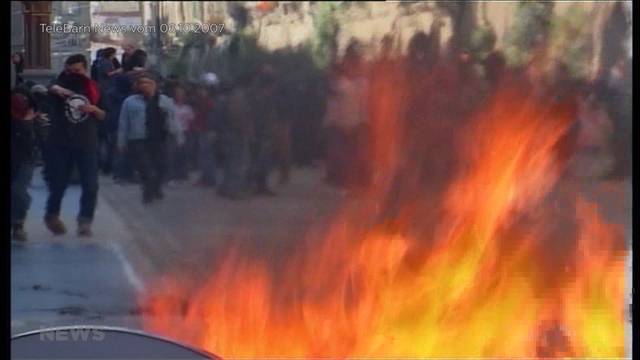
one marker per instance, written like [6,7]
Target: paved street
[191,223]
[66,280]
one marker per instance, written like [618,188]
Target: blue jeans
[207,160]
[59,167]
[20,198]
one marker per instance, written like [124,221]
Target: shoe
[84,229]
[55,225]
[18,233]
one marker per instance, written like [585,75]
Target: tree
[530,29]
[326,28]
[570,40]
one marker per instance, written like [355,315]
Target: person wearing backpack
[146,121]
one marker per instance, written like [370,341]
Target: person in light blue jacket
[147,119]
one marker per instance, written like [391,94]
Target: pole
[158,38]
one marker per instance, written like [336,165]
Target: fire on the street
[483,266]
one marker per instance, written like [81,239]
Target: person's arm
[98,113]
[106,68]
[109,69]
[41,127]
[123,125]
[114,72]
[191,117]
[60,91]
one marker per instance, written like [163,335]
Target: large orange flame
[489,278]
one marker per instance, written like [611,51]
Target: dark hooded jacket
[25,134]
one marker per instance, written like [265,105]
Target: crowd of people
[119,118]
[434,89]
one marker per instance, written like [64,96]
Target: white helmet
[210,79]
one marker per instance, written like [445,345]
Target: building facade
[28,39]
[63,44]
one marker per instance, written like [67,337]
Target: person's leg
[122,165]
[361,159]
[158,155]
[252,172]
[260,168]
[129,168]
[187,146]
[20,200]
[46,163]
[352,169]
[87,163]
[111,146]
[182,158]
[343,155]
[207,160]
[227,166]
[58,172]
[238,165]
[332,159]
[138,152]
[193,150]
[101,149]
[283,153]
[116,161]
[172,159]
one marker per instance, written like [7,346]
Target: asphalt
[67,280]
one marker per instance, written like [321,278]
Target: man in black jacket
[73,140]
[28,129]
